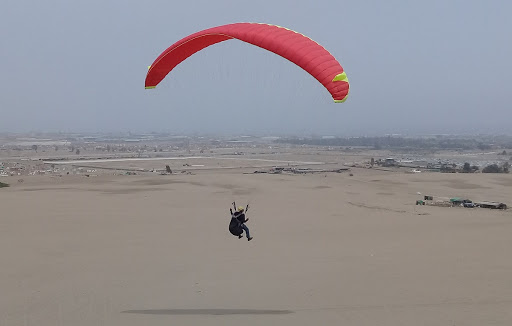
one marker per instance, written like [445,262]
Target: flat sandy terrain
[328,249]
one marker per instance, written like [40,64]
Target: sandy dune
[329,249]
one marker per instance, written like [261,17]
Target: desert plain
[348,248]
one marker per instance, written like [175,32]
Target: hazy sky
[439,66]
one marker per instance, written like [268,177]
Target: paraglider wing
[295,47]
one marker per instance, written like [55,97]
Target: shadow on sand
[218,312]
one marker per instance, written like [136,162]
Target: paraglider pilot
[237,223]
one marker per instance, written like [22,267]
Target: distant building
[389,162]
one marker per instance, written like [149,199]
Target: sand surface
[328,249]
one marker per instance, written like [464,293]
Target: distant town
[37,153]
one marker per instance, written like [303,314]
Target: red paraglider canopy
[293,46]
